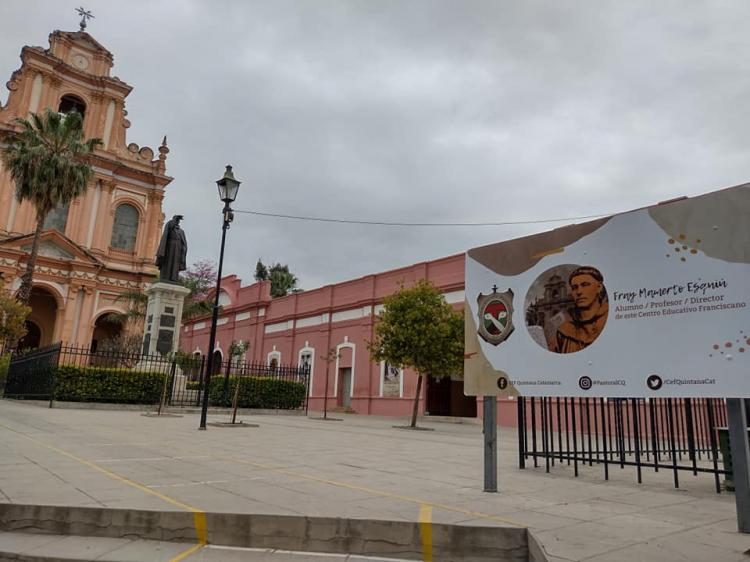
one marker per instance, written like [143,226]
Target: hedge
[259,392]
[101,384]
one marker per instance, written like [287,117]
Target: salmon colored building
[300,328]
[102,244]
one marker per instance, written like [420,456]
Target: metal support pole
[214,320]
[740,447]
[490,443]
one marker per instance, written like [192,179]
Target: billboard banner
[650,303]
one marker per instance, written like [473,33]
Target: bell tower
[103,243]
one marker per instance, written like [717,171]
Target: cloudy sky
[417,111]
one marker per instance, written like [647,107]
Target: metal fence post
[521,433]
[307,388]
[490,443]
[740,447]
[54,364]
[201,385]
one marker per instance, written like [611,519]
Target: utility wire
[387,223]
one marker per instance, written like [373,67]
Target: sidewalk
[360,468]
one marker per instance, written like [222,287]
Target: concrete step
[119,529]
[34,547]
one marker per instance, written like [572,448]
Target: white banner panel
[650,303]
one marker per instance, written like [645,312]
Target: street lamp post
[228,187]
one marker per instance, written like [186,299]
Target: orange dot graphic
[681,237]
[698,241]
[671,240]
[693,251]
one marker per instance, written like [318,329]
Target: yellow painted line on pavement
[188,552]
[199,516]
[425,525]
[375,492]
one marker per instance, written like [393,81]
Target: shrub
[258,392]
[100,384]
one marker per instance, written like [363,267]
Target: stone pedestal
[163,318]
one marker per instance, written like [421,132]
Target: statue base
[161,334]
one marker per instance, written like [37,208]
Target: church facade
[101,246]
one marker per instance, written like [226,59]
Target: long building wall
[340,317]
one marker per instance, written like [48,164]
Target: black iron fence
[678,435]
[31,375]
[74,374]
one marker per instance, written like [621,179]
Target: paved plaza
[358,468]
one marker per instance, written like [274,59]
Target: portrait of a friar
[171,256]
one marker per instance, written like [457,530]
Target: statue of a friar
[172,254]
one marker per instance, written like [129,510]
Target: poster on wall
[391,381]
[650,303]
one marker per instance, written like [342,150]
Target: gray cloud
[418,111]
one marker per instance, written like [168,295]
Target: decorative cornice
[80,276]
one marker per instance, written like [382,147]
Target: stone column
[85,325]
[161,333]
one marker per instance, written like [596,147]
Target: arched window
[274,358]
[70,103]
[224,299]
[216,364]
[57,218]
[125,227]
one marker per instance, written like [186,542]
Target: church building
[102,245]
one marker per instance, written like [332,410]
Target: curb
[370,537]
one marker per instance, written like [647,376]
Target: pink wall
[339,315]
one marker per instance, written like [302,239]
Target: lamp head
[228,186]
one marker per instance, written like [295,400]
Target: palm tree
[136,303]
[47,161]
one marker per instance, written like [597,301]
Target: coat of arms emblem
[495,316]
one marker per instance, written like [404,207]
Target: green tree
[12,320]
[418,330]
[282,280]
[47,161]
[261,271]
[237,349]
